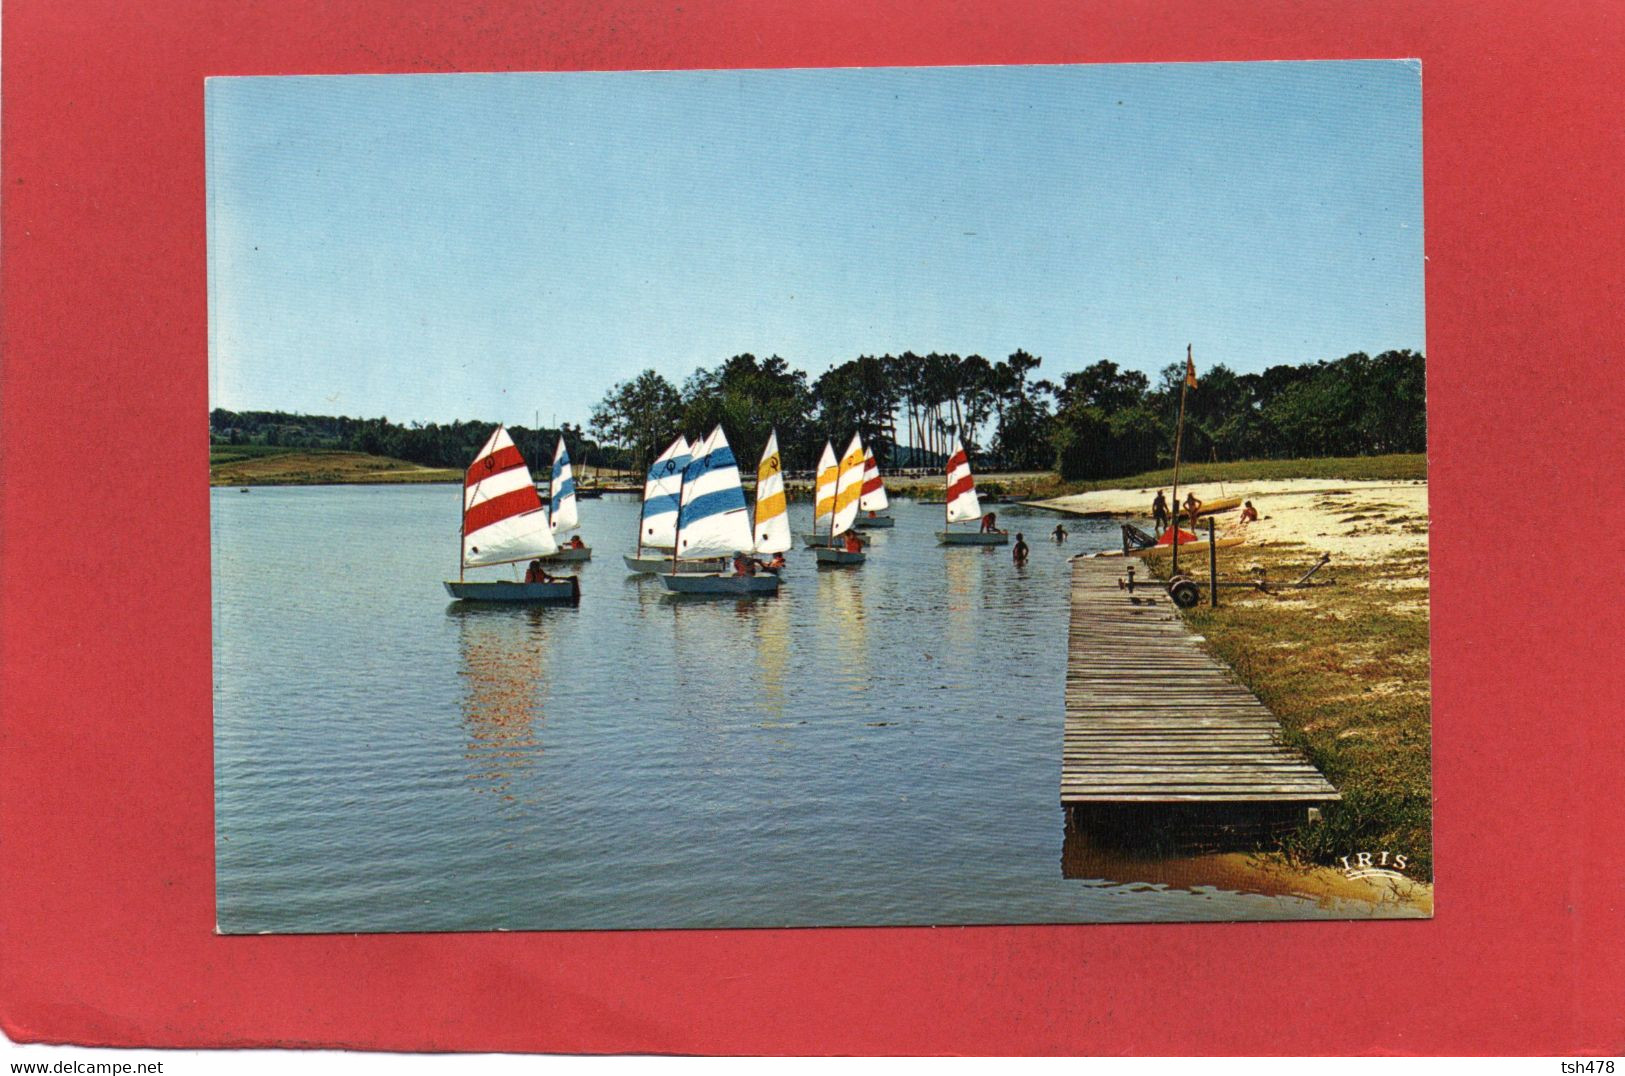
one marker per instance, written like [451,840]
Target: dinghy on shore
[962,505]
[504,523]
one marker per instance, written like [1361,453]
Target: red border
[106,798]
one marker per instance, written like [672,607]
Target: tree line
[450,444]
[1099,422]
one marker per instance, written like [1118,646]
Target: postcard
[824,497]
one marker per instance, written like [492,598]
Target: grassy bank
[263,465]
[1346,669]
[1412,466]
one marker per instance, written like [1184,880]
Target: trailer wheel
[1185,593]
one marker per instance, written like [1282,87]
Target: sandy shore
[1350,520]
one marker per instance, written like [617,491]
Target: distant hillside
[261,465]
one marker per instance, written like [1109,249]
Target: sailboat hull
[658,565]
[720,584]
[870,523]
[566,555]
[822,541]
[563,591]
[838,556]
[972,538]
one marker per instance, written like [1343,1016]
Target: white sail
[661,489]
[824,490]
[561,509]
[848,486]
[503,518]
[713,520]
[874,490]
[772,513]
[962,502]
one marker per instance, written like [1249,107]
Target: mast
[1179,433]
[833,493]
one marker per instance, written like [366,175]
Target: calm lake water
[879,745]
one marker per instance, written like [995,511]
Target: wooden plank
[1152,717]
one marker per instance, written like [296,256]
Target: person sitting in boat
[1192,507]
[744,565]
[1059,533]
[990,523]
[535,573]
[1018,552]
[576,542]
[1248,512]
[776,565]
[1159,512]
[854,544]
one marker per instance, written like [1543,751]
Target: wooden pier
[1153,720]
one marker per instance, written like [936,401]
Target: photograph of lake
[862,497]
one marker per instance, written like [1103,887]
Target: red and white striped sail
[503,518]
[962,502]
[874,490]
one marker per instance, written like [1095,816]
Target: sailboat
[712,521]
[561,507]
[504,523]
[844,510]
[962,504]
[657,520]
[772,529]
[873,502]
[826,478]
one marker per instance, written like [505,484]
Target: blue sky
[431,247]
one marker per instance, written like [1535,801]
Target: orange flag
[1190,369]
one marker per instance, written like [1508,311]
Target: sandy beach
[1353,521]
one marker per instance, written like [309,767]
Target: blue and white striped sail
[661,489]
[561,505]
[713,520]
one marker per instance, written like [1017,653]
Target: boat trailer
[1186,590]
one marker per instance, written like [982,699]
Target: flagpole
[1179,433]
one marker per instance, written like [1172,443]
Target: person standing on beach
[1159,512]
[1193,507]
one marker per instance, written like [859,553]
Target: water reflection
[770,623]
[504,675]
[840,619]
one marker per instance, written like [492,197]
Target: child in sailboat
[854,544]
[535,573]
[990,523]
[776,565]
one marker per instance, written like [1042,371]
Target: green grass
[1348,468]
[236,453]
[1346,669]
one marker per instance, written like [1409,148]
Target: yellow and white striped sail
[849,486]
[824,490]
[772,515]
